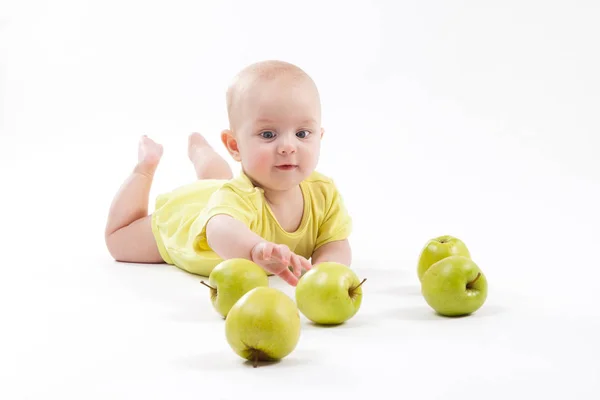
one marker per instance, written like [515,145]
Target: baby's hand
[276,258]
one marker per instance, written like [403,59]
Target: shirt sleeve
[224,201]
[337,223]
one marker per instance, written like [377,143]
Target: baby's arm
[337,251]
[231,238]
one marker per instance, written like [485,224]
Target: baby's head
[275,129]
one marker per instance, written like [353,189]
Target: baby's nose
[287,148]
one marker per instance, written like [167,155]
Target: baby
[279,212]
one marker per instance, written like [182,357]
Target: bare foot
[207,163]
[196,144]
[149,154]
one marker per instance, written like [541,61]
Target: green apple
[329,294]
[263,325]
[454,286]
[439,248]
[231,279]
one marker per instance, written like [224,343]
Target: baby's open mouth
[286,167]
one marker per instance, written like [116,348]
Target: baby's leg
[128,232]
[207,163]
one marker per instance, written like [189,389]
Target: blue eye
[267,135]
[302,134]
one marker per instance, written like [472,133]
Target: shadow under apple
[221,361]
[348,324]
[260,364]
[289,361]
[424,313]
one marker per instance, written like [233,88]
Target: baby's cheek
[310,157]
[259,161]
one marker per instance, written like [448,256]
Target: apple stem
[255,359]
[207,285]
[470,284]
[360,284]
[352,291]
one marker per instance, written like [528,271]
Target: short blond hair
[259,72]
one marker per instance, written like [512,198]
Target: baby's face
[279,133]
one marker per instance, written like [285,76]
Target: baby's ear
[322,132]
[228,139]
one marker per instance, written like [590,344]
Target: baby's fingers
[305,263]
[287,276]
[296,264]
[283,253]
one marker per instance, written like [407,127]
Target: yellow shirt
[179,221]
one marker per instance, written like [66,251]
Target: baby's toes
[149,151]
[197,140]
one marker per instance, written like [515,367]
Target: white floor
[478,122]
[90,328]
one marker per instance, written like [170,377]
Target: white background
[472,118]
